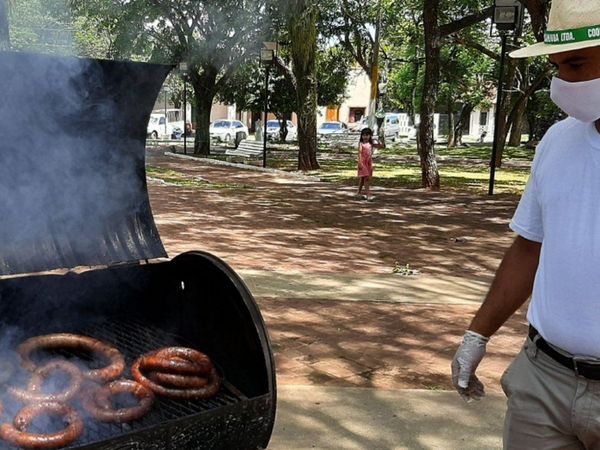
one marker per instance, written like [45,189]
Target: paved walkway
[322,415]
[362,355]
[424,289]
[313,417]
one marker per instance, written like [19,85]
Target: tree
[42,26]
[360,27]
[246,90]
[434,35]
[4,30]
[214,38]
[300,22]
[246,86]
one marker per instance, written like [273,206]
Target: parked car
[328,128]
[358,126]
[273,128]
[226,130]
[392,126]
[166,126]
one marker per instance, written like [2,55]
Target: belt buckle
[583,359]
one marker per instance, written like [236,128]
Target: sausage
[211,389]
[169,373]
[99,404]
[178,360]
[34,390]
[178,381]
[75,341]
[17,435]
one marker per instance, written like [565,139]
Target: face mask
[580,100]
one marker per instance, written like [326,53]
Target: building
[356,104]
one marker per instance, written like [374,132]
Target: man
[553,385]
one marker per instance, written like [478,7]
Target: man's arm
[511,287]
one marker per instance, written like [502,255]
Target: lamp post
[267,55]
[508,17]
[183,69]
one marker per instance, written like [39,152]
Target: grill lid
[72,177]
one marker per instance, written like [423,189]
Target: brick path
[271,222]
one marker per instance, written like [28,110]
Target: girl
[365,161]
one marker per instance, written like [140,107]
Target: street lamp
[508,20]
[267,56]
[183,69]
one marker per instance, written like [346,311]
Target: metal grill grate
[134,338]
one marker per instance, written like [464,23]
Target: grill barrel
[195,300]
[73,194]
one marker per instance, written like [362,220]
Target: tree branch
[476,46]
[465,22]
[285,71]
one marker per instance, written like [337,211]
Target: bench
[246,149]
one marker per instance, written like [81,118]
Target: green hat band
[574,35]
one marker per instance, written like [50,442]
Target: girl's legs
[360,185]
[367,186]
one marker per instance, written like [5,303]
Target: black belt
[581,366]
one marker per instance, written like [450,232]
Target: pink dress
[366,158]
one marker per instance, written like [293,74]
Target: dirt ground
[271,222]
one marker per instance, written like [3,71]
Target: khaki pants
[549,407]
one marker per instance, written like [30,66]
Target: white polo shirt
[561,209]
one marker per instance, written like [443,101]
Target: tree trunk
[509,82]
[414,92]
[463,120]
[303,36]
[4,30]
[451,139]
[430,176]
[517,122]
[204,95]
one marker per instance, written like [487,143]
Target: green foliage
[246,88]
[200,31]
[542,114]
[41,26]
[333,67]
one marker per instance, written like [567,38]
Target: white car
[359,126]
[273,130]
[227,130]
[167,126]
[328,128]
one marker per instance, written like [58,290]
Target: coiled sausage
[100,406]
[17,435]
[34,390]
[78,342]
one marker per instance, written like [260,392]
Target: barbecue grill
[73,197]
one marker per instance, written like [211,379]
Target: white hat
[573,25]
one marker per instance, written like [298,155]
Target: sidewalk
[425,289]
[313,417]
[317,408]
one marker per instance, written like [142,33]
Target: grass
[189,181]
[408,175]
[463,169]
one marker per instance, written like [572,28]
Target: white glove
[465,362]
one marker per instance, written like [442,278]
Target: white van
[392,127]
[165,126]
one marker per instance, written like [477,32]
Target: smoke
[72,186]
